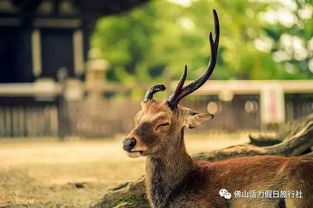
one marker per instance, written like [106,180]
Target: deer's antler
[154,89]
[182,91]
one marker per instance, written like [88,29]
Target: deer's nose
[128,144]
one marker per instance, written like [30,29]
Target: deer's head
[159,125]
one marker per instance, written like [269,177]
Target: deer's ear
[196,119]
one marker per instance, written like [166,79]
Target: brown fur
[174,180]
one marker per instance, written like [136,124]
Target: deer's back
[259,173]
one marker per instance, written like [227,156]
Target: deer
[174,180]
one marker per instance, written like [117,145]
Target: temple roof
[67,7]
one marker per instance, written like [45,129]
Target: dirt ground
[51,173]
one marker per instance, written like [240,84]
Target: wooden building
[42,41]
[39,38]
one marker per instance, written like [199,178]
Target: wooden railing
[30,111]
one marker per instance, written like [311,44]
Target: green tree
[291,33]
[159,38]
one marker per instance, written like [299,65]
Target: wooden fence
[113,116]
[107,117]
[104,118]
[28,120]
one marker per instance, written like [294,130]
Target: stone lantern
[95,76]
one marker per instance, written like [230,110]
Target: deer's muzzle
[129,144]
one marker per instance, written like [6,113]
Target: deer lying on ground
[174,180]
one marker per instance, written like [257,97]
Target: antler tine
[180,91]
[178,88]
[152,90]
[182,80]
[216,27]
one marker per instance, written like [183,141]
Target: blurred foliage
[260,39]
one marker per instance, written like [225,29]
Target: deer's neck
[166,174]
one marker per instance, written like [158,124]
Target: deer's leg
[299,203]
[255,203]
[300,184]
[303,197]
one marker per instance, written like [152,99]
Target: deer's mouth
[135,154]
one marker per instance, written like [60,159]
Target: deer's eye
[162,125]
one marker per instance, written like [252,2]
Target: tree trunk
[293,138]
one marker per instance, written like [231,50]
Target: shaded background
[71,66]
[75,64]
[72,74]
